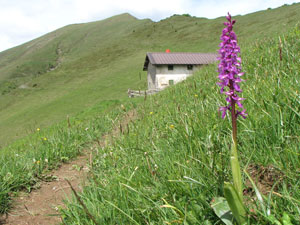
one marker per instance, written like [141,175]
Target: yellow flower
[38,162]
[38,129]
[172,126]
[151,113]
[45,139]
[123,108]
[196,95]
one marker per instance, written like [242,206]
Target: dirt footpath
[41,205]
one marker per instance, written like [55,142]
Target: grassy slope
[101,60]
[174,159]
[270,132]
[87,74]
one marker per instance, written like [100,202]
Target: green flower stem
[235,165]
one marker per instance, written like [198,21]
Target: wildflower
[151,113]
[196,95]
[38,129]
[172,126]
[38,162]
[46,160]
[45,139]
[230,76]
[33,160]
[230,70]
[86,128]
[123,108]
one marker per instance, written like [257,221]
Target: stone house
[166,68]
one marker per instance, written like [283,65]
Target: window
[190,67]
[171,82]
[170,67]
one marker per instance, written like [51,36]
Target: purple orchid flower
[230,78]
[230,70]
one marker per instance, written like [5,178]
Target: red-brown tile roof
[185,58]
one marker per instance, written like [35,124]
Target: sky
[22,21]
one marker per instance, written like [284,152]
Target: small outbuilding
[166,68]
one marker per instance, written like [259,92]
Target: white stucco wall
[178,74]
[162,80]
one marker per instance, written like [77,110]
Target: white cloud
[21,21]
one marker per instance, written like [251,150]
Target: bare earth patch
[40,206]
[264,178]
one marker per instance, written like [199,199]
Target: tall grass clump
[173,159]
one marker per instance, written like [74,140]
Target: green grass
[101,60]
[25,163]
[174,158]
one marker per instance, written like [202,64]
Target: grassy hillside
[173,160]
[24,163]
[68,70]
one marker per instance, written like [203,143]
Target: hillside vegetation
[170,163]
[174,159]
[72,68]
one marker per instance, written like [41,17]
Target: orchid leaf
[222,210]
[236,171]
[235,203]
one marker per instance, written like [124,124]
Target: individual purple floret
[230,70]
